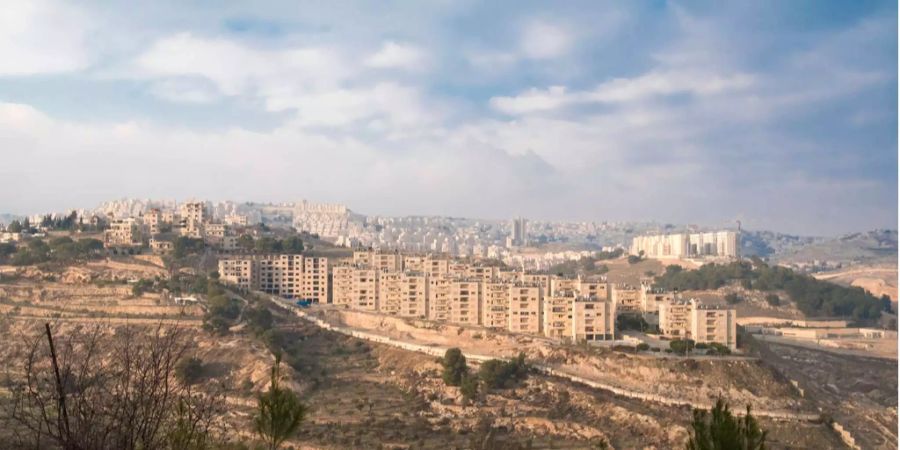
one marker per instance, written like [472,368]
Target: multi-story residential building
[692,319]
[525,308]
[495,305]
[557,317]
[236,220]
[414,295]
[280,275]
[593,319]
[161,247]
[713,323]
[538,279]
[214,233]
[674,319]
[627,298]
[194,212]
[239,272]
[342,285]
[440,292]
[152,220]
[651,298]
[123,233]
[293,276]
[429,265]
[390,293]
[365,289]
[484,273]
[465,301]
[591,289]
[384,262]
[683,245]
[314,285]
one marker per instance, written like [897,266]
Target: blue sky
[780,114]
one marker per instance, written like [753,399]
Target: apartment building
[440,290]
[651,299]
[123,233]
[290,276]
[427,264]
[194,212]
[593,319]
[674,319]
[713,323]
[390,292]
[627,298]
[214,233]
[414,295]
[365,289]
[152,220]
[342,285]
[482,273]
[495,305]
[465,302]
[381,261]
[540,280]
[525,308]
[238,272]
[314,285]
[688,245]
[597,289]
[557,317]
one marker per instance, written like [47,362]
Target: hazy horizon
[781,115]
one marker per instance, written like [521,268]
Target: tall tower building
[519,233]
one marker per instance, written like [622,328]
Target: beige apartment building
[440,291]
[238,272]
[674,319]
[482,273]
[495,305]
[381,261]
[652,299]
[557,315]
[152,220]
[713,323]
[314,285]
[429,265]
[540,280]
[390,293]
[194,212]
[342,285]
[291,276]
[123,233]
[593,319]
[627,298]
[698,321]
[525,308]
[414,295]
[465,301]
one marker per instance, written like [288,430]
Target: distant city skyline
[781,115]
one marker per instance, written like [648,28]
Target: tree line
[813,297]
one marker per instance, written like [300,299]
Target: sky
[782,115]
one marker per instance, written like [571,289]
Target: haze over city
[780,114]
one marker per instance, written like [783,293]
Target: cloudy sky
[780,114]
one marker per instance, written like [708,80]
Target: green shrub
[499,374]
[455,367]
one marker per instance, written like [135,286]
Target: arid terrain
[364,394]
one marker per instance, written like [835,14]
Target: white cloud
[186,90]
[239,69]
[399,56]
[544,40]
[532,100]
[42,36]
[670,82]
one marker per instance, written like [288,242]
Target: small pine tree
[279,412]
